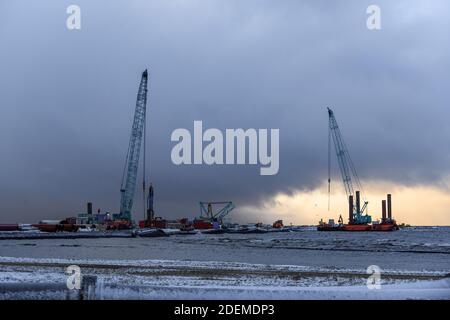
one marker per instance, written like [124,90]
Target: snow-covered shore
[31,278]
[413,264]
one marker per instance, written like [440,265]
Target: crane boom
[342,154]
[129,177]
[206,209]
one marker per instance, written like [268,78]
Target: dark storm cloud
[67,97]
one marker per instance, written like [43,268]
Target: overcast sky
[67,97]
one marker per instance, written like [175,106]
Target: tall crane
[130,170]
[348,171]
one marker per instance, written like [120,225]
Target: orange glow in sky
[417,205]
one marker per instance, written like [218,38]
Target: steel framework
[129,176]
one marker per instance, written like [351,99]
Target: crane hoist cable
[329,167]
[144,163]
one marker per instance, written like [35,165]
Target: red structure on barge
[387,222]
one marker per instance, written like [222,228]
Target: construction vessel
[209,219]
[387,223]
[358,218]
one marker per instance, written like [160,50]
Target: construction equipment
[208,218]
[150,211]
[278,224]
[9,227]
[129,175]
[151,221]
[220,214]
[387,223]
[348,173]
[357,220]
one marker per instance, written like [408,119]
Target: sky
[67,99]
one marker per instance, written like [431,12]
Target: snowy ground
[25,278]
[304,265]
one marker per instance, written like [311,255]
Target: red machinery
[387,222]
[278,224]
[9,227]
[156,222]
[202,224]
[209,219]
[119,225]
[68,227]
